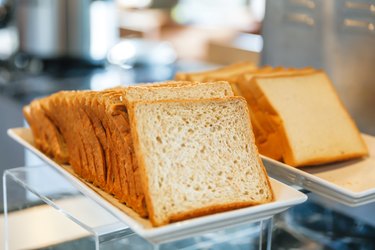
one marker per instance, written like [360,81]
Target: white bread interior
[310,121]
[197,157]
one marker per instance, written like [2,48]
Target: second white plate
[349,182]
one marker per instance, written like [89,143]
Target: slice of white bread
[161,91]
[197,157]
[312,125]
[264,122]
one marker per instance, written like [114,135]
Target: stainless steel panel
[335,35]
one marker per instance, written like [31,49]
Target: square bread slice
[197,157]
[313,125]
[264,120]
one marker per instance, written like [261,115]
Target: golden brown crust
[46,134]
[96,113]
[119,172]
[235,88]
[74,122]
[325,160]
[210,210]
[55,111]
[91,141]
[95,136]
[131,105]
[141,162]
[258,157]
[170,83]
[84,128]
[118,120]
[128,100]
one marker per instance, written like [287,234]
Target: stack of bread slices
[169,151]
[296,114]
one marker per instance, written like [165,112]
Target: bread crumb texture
[199,154]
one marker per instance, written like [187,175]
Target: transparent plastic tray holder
[100,229]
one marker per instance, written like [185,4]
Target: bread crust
[211,210]
[125,169]
[141,162]
[96,137]
[258,156]
[53,109]
[47,136]
[86,134]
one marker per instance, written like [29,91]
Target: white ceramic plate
[285,197]
[349,182]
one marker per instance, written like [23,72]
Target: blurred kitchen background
[52,45]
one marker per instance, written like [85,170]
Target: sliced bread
[47,136]
[95,127]
[197,157]
[313,127]
[266,124]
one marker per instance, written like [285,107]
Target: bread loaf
[95,129]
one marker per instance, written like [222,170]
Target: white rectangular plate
[285,197]
[349,182]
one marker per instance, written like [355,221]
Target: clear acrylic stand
[44,218]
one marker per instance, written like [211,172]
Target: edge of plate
[333,187]
[156,232]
